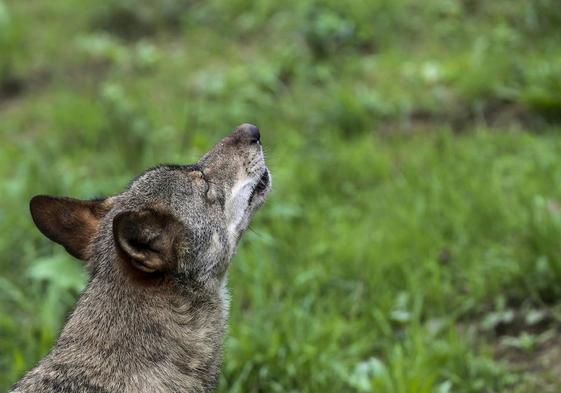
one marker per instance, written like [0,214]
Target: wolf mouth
[260,187]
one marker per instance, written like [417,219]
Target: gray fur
[156,331]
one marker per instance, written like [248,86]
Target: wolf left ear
[69,222]
[148,238]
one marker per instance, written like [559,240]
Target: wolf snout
[249,133]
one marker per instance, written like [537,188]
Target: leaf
[59,270]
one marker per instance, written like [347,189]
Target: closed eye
[210,196]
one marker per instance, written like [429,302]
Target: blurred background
[412,240]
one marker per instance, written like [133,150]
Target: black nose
[251,131]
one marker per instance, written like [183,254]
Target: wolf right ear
[70,222]
[148,238]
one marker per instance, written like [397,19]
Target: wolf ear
[69,222]
[148,238]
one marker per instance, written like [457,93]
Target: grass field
[412,242]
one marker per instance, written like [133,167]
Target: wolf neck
[125,337]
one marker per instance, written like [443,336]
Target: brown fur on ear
[148,238]
[69,222]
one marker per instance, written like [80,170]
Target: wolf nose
[251,131]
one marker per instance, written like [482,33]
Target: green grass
[415,156]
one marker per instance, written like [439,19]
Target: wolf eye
[197,174]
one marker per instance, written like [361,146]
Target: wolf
[153,314]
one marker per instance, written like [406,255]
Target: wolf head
[176,219]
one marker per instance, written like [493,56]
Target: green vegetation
[412,242]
